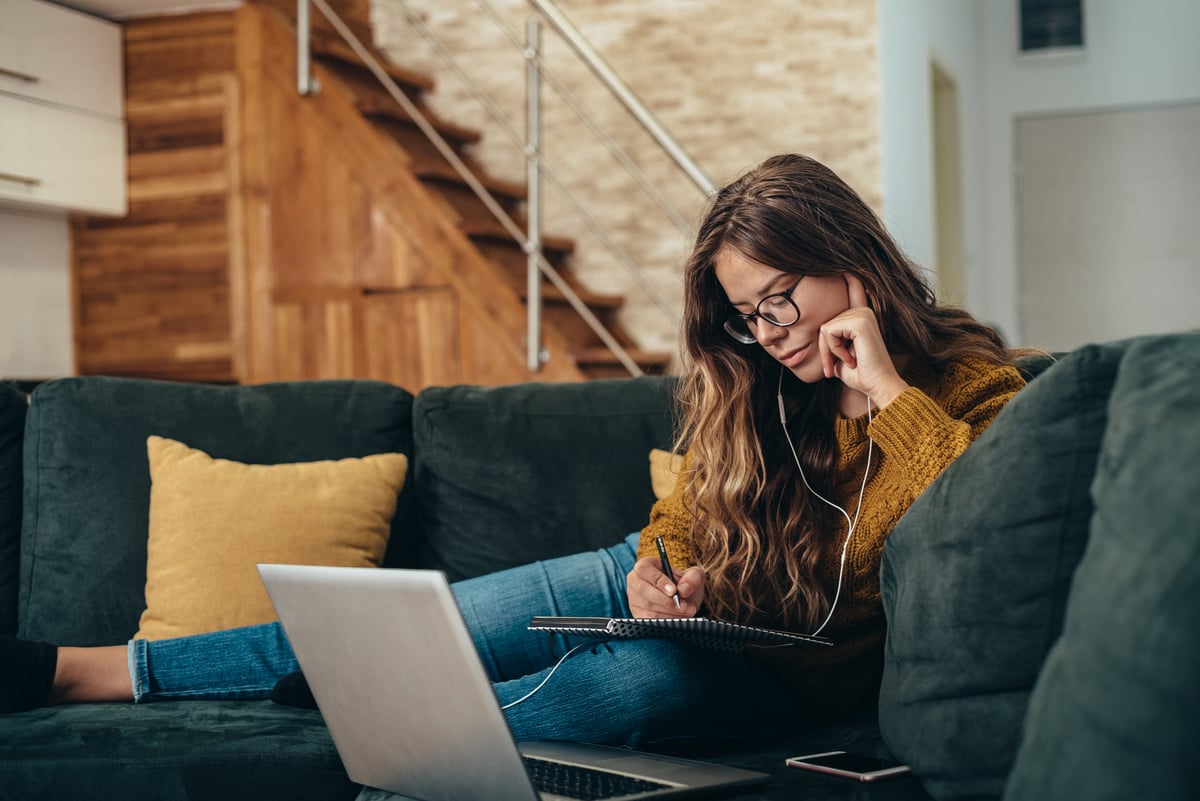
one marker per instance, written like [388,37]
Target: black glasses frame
[738,326]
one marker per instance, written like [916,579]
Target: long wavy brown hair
[759,534]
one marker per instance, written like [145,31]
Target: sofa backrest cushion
[12,431]
[1114,712]
[87,489]
[975,578]
[508,475]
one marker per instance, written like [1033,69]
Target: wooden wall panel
[398,345]
[152,295]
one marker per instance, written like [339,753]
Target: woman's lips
[794,357]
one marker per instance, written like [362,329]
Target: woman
[824,390]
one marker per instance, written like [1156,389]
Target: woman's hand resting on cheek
[852,350]
[650,590]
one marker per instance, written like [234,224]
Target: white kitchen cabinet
[62,133]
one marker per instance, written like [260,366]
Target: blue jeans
[628,692]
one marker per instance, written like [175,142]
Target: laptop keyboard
[584,783]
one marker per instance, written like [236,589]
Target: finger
[691,587]
[689,581]
[656,583]
[856,291]
[840,344]
[827,357]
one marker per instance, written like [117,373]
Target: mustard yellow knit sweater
[916,436]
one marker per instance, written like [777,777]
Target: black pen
[666,566]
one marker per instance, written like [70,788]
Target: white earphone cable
[858,510]
[542,684]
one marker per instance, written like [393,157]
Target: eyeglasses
[778,309]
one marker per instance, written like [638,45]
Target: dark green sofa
[1032,639]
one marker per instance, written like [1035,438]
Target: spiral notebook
[703,632]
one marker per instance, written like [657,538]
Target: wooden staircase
[472,217]
[273,236]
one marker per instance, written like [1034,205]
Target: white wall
[35,296]
[1136,54]
[913,35]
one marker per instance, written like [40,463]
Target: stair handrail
[533,56]
[529,240]
[623,93]
[537,168]
[568,97]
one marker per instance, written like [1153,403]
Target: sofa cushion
[212,521]
[975,578]
[12,431]
[181,751]
[507,475]
[1114,712]
[87,493]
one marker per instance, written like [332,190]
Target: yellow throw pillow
[213,520]
[664,472]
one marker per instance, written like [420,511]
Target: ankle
[91,674]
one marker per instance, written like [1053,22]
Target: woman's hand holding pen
[651,592]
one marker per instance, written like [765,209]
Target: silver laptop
[394,671]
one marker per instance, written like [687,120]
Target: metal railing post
[534,355]
[304,80]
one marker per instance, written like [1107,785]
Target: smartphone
[852,766]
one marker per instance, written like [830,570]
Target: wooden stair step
[333,48]
[593,300]
[412,141]
[601,358]
[443,172]
[384,107]
[493,231]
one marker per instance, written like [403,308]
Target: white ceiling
[123,9]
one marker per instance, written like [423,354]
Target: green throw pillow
[511,474]
[1116,712]
[975,578]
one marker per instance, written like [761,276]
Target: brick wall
[732,82]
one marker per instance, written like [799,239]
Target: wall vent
[1051,25]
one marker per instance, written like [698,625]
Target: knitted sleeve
[671,520]
[925,434]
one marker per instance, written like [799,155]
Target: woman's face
[819,299]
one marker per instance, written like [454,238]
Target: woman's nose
[767,332]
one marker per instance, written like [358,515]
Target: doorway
[947,189]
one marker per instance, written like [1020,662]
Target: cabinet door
[60,56]
[55,158]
